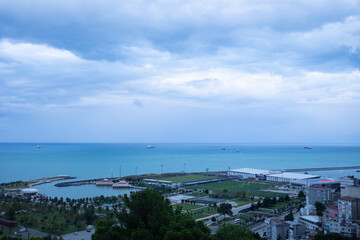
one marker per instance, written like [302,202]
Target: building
[29,191]
[296,230]
[351,191]
[311,222]
[348,209]
[320,182]
[347,229]
[105,182]
[332,213]
[249,173]
[349,181]
[319,194]
[122,184]
[289,176]
[277,228]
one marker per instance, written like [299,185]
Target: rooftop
[311,218]
[292,175]
[251,171]
[347,198]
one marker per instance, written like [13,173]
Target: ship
[307,147]
[38,146]
[223,149]
[150,146]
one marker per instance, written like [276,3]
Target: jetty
[319,169]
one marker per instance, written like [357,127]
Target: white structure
[311,222]
[289,176]
[29,191]
[248,172]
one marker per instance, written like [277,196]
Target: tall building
[348,209]
[319,194]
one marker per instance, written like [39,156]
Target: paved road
[79,236]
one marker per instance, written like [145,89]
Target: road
[79,236]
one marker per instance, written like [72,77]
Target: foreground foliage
[149,216]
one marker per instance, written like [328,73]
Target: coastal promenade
[318,169]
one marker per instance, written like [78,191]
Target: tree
[301,195]
[289,217]
[149,216]
[287,198]
[225,208]
[232,232]
[319,208]
[10,213]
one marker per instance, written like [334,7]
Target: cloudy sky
[180,71]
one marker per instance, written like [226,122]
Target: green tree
[149,216]
[289,217]
[225,208]
[301,195]
[10,213]
[232,232]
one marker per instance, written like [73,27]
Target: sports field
[235,186]
[186,178]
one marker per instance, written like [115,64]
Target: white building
[248,172]
[289,176]
[311,222]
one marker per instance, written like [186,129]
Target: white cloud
[35,53]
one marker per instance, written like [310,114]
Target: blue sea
[23,161]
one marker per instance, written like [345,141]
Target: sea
[24,161]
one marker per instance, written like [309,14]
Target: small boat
[307,147]
[150,146]
[237,150]
[223,149]
[38,146]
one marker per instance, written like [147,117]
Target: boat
[38,146]
[307,147]
[223,149]
[150,146]
[237,150]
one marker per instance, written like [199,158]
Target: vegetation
[225,208]
[149,216]
[186,178]
[230,189]
[319,208]
[232,232]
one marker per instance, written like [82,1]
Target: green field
[186,178]
[204,212]
[52,223]
[235,186]
[185,206]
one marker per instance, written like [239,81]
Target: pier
[319,169]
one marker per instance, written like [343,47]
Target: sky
[180,71]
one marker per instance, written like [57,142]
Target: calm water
[22,161]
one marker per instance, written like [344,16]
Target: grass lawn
[236,186]
[240,202]
[52,223]
[186,178]
[185,206]
[204,212]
